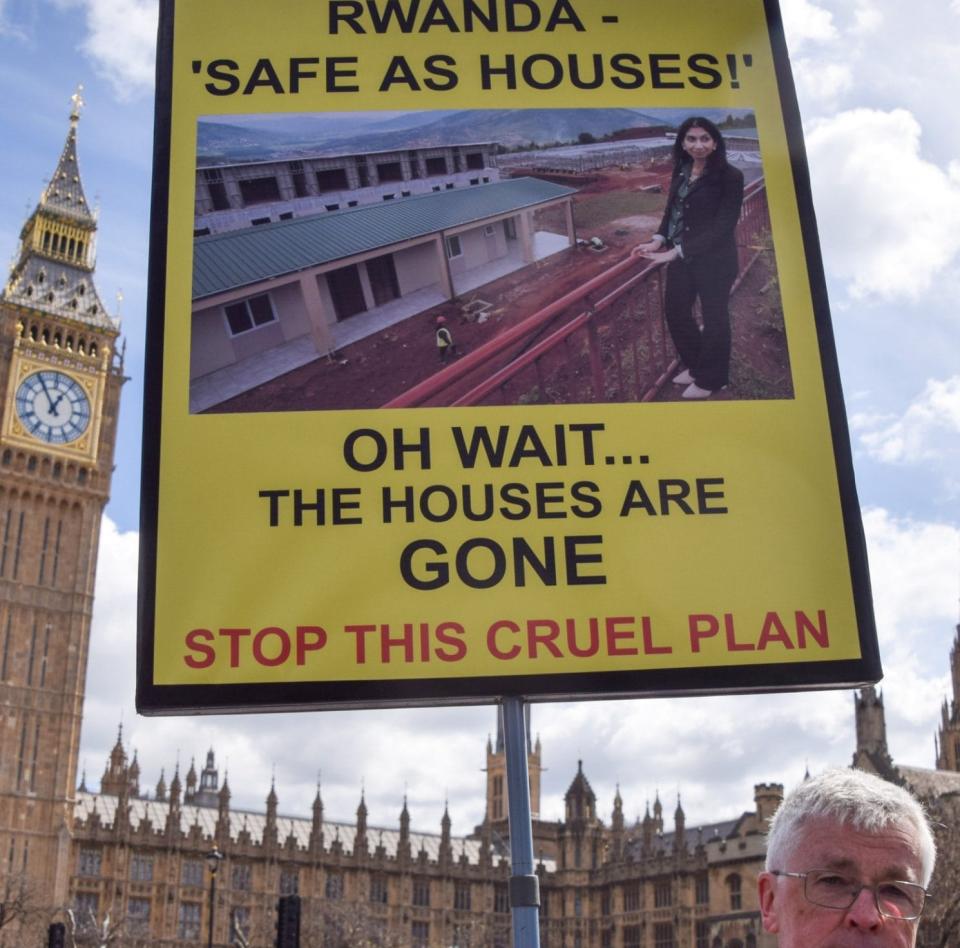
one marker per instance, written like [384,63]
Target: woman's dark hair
[716,161]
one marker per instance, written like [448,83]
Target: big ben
[60,380]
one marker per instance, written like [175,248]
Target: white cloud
[895,54]
[14,19]
[867,17]
[121,41]
[887,216]
[822,83]
[914,568]
[913,571]
[928,429]
[805,23]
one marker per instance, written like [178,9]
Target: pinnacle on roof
[118,755]
[209,776]
[175,785]
[55,261]
[64,195]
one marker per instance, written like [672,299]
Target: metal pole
[524,884]
[213,892]
[214,858]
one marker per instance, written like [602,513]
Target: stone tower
[496,769]
[872,754]
[948,738]
[60,379]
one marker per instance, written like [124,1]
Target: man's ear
[767,890]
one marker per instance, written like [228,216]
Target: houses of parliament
[126,865]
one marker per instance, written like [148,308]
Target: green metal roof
[239,258]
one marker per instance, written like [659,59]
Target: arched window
[734,887]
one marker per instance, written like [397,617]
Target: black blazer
[711,211]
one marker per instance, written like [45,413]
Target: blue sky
[878,82]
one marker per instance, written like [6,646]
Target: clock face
[53,407]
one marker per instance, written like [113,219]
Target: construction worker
[445,343]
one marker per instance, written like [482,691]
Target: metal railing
[606,341]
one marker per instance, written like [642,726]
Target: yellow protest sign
[489,354]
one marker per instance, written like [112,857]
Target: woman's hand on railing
[650,246]
[660,256]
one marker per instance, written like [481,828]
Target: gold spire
[76,104]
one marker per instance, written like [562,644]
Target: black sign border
[153,699]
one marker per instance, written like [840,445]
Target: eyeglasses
[829,889]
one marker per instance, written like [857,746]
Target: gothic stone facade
[140,859]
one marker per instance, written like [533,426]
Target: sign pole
[524,884]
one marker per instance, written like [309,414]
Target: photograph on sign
[314,242]
[599,261]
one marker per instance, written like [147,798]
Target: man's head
[833,834]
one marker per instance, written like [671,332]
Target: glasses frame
[873,887]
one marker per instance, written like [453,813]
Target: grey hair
[856,798]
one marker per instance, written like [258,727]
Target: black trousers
[705,352]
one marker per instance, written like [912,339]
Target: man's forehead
[890,852]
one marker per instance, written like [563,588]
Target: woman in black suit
[696,241]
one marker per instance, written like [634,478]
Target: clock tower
[60,379]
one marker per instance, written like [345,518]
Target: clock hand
[46,391]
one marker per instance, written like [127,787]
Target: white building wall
[210,345]
[418,267]
[478,249]
[289,306]
[259,339]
